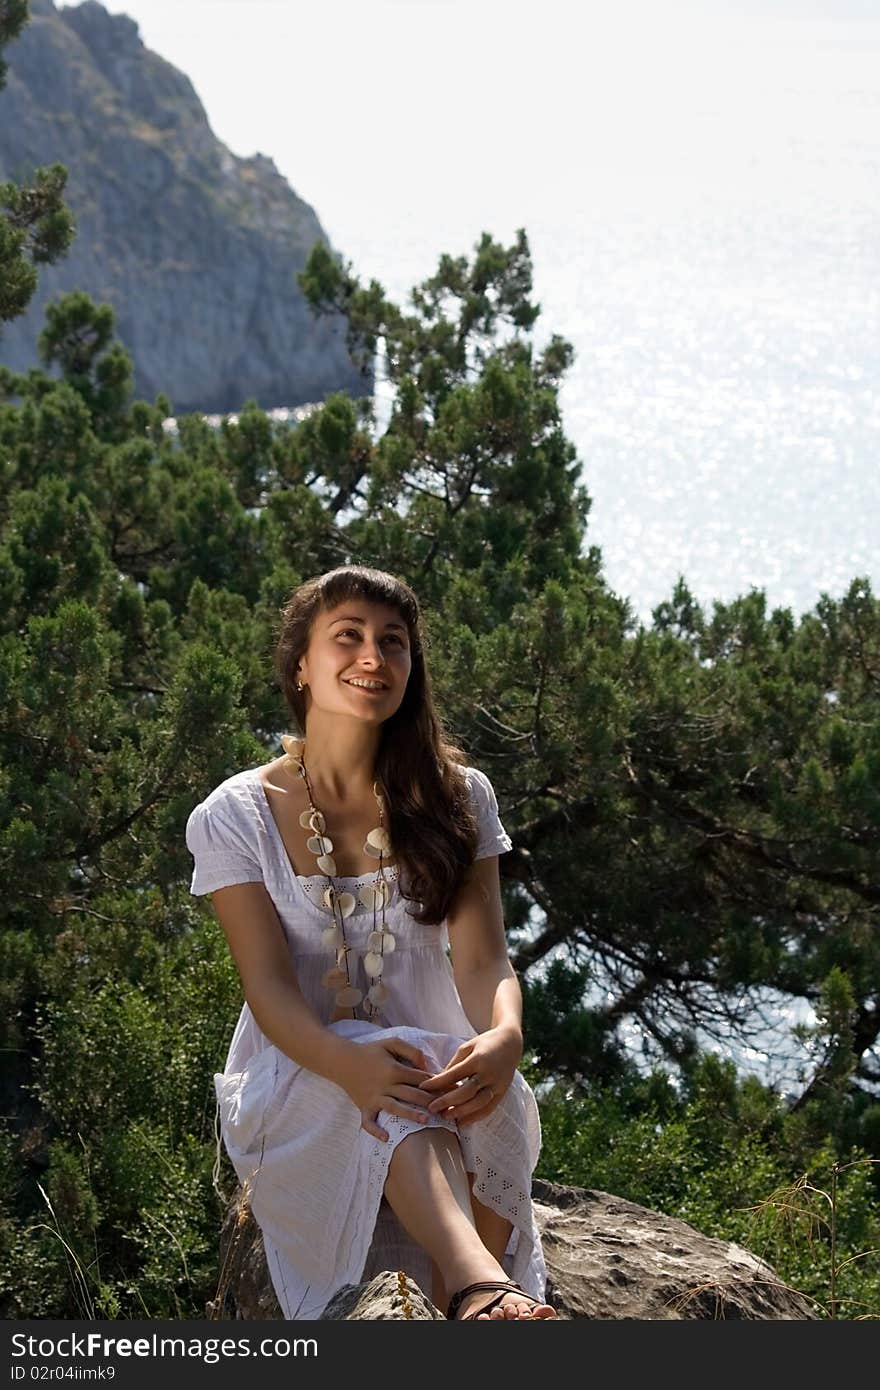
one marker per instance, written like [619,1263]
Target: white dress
[316,1177]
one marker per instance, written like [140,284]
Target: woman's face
[358,640]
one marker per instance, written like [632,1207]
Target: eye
[389,636]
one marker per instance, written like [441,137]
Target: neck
[340,759]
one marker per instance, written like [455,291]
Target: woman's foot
[509,1306]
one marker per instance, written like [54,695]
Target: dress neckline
[253,775]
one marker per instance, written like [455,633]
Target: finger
[477,1106]
[457,1096]
[369,1124]
[444,1079]
[413,1096]
[406,1112]
[412,1067]
[410,1053]
[442,1102]
[412,1076]
[458,1064]
[466,1108]
[480,1114]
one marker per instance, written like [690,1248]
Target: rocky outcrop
[606,1259]
[196,250]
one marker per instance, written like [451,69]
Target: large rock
[606,1259]
[196,250]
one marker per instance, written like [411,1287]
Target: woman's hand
[385,1075]
[477,1076]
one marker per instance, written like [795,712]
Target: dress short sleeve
[494,839]
[220,850]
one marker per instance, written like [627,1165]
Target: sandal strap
[498,1285]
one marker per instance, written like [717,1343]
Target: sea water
[707,235]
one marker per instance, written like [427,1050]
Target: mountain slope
[196,249]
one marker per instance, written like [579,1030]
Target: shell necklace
[376,894]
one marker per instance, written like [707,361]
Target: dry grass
[802,1210]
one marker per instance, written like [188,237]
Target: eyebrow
[352,618]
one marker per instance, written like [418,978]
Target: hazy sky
[437,101]
[698,180]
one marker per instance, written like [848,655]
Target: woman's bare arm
[486,981]
[482,1068]
[375,1075]
[260,951]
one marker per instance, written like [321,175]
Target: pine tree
[35,226]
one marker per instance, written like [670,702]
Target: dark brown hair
[431,821]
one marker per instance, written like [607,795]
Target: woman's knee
[429,1144]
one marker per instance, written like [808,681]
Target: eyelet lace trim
[494,1190]
[313,886]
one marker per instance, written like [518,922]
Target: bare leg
[493,1229]
[429,1192]
[439,1296]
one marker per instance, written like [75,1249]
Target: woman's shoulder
[233,789]
[223,838]
[478,782]
[493,838]
[230,802]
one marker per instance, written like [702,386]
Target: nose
[372,655]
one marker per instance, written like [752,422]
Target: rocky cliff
[196,250]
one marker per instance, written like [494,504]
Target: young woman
[371,1103]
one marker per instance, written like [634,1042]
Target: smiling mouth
[370,689]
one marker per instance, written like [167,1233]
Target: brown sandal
[501,1286]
